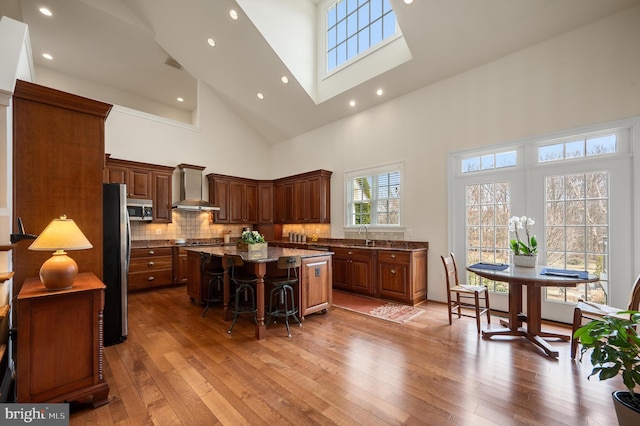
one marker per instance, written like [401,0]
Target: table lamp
[59,271]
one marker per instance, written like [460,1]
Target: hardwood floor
[339,368]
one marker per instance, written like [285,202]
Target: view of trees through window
[577,231]
[375,199]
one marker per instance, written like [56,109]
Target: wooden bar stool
[245,294]
[282,292]
[215,283]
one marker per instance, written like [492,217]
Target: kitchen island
[313,294]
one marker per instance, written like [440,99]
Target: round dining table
[534,279]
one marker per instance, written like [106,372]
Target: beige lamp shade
[59,271]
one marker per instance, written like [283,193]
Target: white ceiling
[124,43]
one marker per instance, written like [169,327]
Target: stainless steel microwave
[139,210]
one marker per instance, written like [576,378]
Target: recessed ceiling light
[284,79]
[47,56]
[260,95]
[180,99]
[408,1]
[45,11]
[211,42]
[352,103]
[233,14]
[379,92]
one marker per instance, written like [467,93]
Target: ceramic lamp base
[59,271]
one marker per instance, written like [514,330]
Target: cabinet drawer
[352,253]
[389,256]
[142,264]
[159,251]
[142,280]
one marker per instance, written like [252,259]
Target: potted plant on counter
[251,241]
[525,253]
[616,350]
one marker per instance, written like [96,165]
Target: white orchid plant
[529,246]
[252,237]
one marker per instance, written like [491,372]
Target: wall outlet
[158,231]
[409,232]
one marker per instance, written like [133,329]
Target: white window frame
[627,266]
[372,171]
[322,53]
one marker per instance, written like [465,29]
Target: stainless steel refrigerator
[116,255]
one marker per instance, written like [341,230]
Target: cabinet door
[250,203]
[300,201]
[117,174]
[139,183]
[194,276]
[361,275]
[284,203]
[315,284]
[236,205]
[219,192]
[265,203]
[312,190]
[162,197]
[340,267]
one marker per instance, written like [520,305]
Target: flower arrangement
[252,237]
[529,247]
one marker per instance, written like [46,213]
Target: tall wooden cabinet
[60,346]
[58,161]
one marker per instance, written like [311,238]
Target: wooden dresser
[60,349]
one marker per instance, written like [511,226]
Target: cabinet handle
[350,253]
[393,256]
[393,271]
[150,263]
[152,252]
[150,279]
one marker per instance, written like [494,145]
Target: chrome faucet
[366,234]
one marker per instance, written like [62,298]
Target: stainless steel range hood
[191,189]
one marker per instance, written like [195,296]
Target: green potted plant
[616,350]
[525,253]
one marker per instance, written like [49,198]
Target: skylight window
[355,26]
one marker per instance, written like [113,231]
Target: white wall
[587,76]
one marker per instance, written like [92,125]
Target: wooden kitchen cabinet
[353,270]
[162,187]
[59,356]
[144,181]
[150,268]
[237,199]
[180,265]
[315,293]
[283,202]
[402,275]
[304,198]
[265,202]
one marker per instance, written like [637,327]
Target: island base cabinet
[315,285]
[59,351]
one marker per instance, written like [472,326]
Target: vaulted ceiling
[125,44]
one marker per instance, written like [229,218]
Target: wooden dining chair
[467,297]
[593,311]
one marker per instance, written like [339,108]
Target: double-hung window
[373,196]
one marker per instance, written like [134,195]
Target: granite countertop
[272,254]
[322,244]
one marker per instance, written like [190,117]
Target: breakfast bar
[314,290]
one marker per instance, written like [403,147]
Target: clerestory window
[355,26]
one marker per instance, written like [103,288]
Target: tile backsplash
[185,224]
